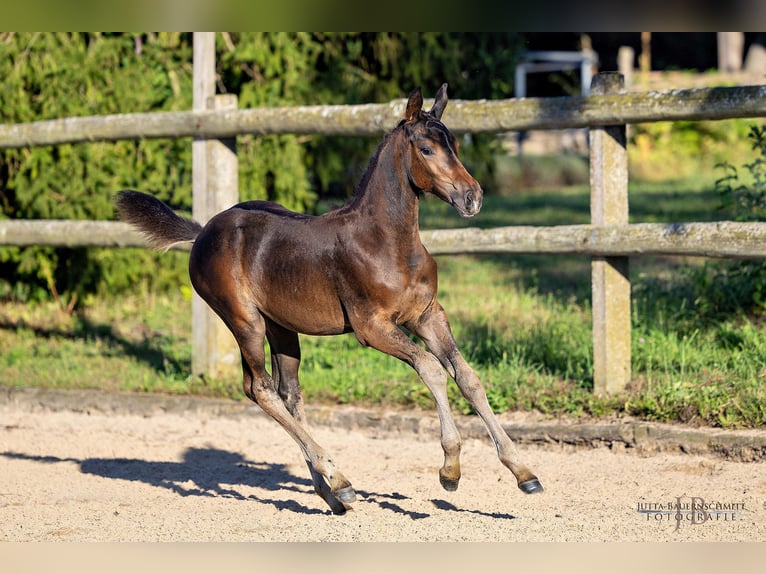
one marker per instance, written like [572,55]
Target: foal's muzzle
[468,203]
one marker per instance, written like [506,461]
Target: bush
[747,201]
[47,76]
[58,75]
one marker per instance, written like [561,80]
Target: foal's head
[433,150]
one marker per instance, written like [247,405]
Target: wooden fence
[489,116]
[609,239]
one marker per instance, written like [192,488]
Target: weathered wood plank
[610,276]
[70,233]
[215,187]
[717,239]
[491,116]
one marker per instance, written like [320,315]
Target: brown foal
[270,274]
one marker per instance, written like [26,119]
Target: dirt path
[209,476]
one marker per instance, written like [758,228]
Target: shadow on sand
[214,472]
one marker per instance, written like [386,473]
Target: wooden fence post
[214,188]
[609,275]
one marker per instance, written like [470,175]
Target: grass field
[522,321]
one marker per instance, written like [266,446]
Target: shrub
[58,75]
[746,279]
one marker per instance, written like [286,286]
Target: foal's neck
[386,195]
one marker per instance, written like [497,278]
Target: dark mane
[372,165]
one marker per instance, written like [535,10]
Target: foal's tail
[161,226]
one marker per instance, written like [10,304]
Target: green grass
[137,343]
[522,321]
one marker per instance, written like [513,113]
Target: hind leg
[259,387]
[220,285]
[285,360]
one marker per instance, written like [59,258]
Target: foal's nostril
[467,201]
[472,202]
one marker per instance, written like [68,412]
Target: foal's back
[260,255]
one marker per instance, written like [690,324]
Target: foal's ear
[414,105]
[440,102]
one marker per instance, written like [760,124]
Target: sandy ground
[197,476]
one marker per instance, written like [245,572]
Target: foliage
[745,199]
[708,293]
[48,76]
[748,202]
[56,75]
[363,67]
[662,151]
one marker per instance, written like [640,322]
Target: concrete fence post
[610,275]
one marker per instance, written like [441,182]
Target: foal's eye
[425,150]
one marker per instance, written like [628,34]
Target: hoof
[340,510]
[531,486]
[346,495]
[448,483]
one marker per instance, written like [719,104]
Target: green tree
[286,68]
[57,75]
[360,67]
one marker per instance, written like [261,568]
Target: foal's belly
[307,319]
[305,302]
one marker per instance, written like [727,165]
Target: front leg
[384,336]
[433,327]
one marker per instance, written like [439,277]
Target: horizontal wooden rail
[489,116]
[69,233]
[716,239]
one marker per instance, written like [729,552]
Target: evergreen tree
[57,75]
